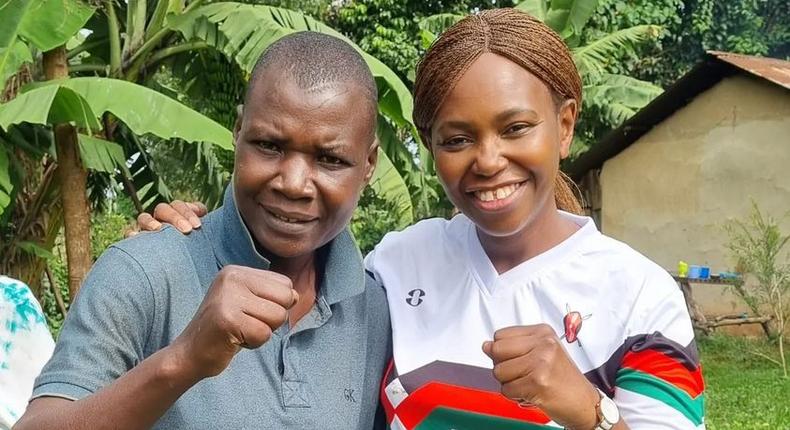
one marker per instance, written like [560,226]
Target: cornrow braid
[512,34]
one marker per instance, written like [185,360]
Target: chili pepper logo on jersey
[573,325]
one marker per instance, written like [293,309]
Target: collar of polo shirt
[232,242]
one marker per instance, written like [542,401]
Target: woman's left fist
[533,367]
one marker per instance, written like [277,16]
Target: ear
[371,161]
[567,123]
[237,126]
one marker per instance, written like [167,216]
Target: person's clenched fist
[531,364]
[242,308]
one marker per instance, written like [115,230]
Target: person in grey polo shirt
[262,319]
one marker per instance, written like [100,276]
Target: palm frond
[593,58]
[618,97]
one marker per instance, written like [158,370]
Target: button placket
[294,386]
[296,393]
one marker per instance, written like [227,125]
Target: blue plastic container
[695,272]
[704,272]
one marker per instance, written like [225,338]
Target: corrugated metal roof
[772,69]
[707,73]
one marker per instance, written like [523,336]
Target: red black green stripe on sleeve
[659,368]
[604,375]
[658,376]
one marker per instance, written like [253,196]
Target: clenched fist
[242,308]
[533,367]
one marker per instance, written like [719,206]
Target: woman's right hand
[181,215]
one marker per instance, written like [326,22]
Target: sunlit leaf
[100,155]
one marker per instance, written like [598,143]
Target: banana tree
[21,25]
[85,102]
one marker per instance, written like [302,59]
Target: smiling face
[497,140]
[302,158]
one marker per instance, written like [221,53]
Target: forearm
[135,400]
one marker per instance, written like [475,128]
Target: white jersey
[622,318]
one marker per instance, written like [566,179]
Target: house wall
[669,194]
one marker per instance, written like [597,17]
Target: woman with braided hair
[518,313]
[581,331]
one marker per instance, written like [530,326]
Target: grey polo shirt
[142,292]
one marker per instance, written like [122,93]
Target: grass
[743,391]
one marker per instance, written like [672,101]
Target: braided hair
[512,34]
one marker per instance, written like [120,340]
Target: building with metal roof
[668,179]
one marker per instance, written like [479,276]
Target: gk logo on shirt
[415,297]
[349,395]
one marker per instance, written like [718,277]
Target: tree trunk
[73,178]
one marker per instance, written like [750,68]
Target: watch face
[609,410]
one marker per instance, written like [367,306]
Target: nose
[489,160]
[295,179]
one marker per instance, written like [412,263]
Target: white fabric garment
[25,346]
[616,311]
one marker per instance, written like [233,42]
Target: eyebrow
[335,148]
[263,130]
[502,116]
[462,125]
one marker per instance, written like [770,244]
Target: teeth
[285,218]
[497,194]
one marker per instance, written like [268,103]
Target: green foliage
[45,24]
[568,17]
[243,32]
[741,388]
[85,100]
[388,29]
[100,155]
[384,28]
[373,218]
[596,57]
[432,26]
[388,183]
[757,245]
[208,82]
[204,181]
[107,228]
[214,86]
[536,8]
[35,249]
[756,27]
[49,304]
[6,186]
[12,58]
